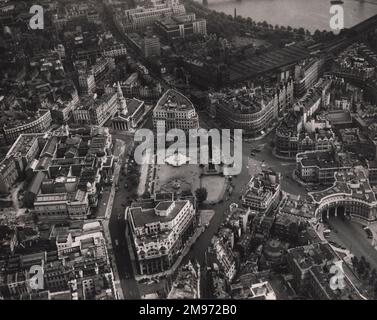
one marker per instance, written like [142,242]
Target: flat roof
[142,217]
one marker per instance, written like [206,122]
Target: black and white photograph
[188,157]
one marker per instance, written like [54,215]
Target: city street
[250,165]
[353,237]
[117,230]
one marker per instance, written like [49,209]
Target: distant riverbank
[308,14]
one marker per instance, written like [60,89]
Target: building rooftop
[133,105]
[255,65]
[186,284]
[353,183]
[143,217]
[23,144]
[297,207]
[173,100]
[245,100]
[324,159]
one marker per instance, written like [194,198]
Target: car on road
[368,232]
[116,242]
[326,233]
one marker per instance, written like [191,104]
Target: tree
[294,231]
[146,195]
[355,262]
[361,267]
[133,179]
[201,194]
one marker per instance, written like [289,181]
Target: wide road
[354,238]
[117,232]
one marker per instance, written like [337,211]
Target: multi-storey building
[287,134]
[187,283]
[23,151]
[263,192]
[310,266]
[350,195]
[77,267]
[8,174]
[298,130]
[40,123]
[181,26]
[140,17]
[224,256]
[320,166]
[175,111]
[251,109]
[306,75]
[62,206]
[115,50]
[159,234]
[87,242]
[258,291]
[87,83]
[322,139]
[8,240]
[96,111]
[64,179]
[131,83]
[151,46]
[61,110]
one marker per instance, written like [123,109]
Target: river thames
[309,14]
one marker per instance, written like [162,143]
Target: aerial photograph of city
[160,151]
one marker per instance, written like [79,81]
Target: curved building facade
[350,195]
[176,111]
[251,109]
[39,124]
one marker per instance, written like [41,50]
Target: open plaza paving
[181,179]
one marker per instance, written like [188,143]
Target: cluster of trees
[228,26]
[366,272]
[201,194]
[133,175]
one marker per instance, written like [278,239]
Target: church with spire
[122,103]
[129,114]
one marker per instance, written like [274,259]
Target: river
[309,14]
